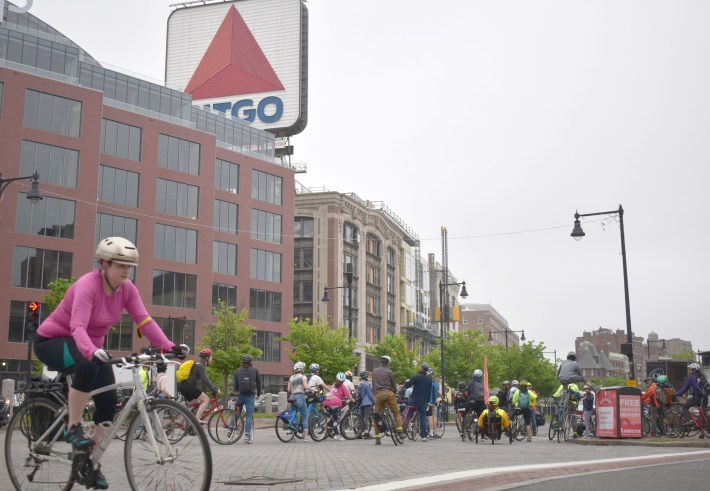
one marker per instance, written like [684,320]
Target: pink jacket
[340,393]
[86,313]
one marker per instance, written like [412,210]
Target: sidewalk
[694,442]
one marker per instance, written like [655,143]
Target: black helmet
[364,374]
[462,385]
[247,359]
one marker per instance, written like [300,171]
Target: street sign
[631,383]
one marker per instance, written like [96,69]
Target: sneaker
[100,481]
[337,437]
[79,441]
[425,439]
[247,439]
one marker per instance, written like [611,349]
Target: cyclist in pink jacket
[71,339]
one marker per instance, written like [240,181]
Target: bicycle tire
[561,428]
[645,426]
[352,425]
[520,430]
[391,428]
[319,425]
[440,426]
[225,427]
[568,428]
[471,427]
[27,425]
[552,430]
[283,430]
[459,422]
[184,464]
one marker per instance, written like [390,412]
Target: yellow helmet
[493,401]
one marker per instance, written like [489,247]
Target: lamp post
[648,345]
[33,196]
[490,336]
[444,312]
[578,234]
[349,286]
[550,352]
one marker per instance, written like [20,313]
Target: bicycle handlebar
[138,359]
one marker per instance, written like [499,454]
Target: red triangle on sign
[233,64]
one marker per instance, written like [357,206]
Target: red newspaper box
[618,412]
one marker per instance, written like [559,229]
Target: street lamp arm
[34,194]
[613,212]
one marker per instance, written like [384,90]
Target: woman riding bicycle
[71,339]
[189,389]
[297,388]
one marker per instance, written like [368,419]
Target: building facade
[491,323]
[199,194]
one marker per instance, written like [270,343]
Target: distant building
[610,342]
[596,364]
[486,318]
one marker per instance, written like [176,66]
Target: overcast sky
[499,119]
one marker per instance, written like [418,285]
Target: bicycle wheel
[568,429]
[645,426]
[319,425]
[413,427]
[440,426]
[552,430]
[225,427]
[471,427]
[352,426]
[391,427]
[561,428]
[182,464]
[459,421]
[283,430]
[520,431]
[35,471]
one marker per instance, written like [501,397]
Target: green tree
[607,382]
[229,339]
[57,289]
[525,361]
[688,356]
[314,341]
[463,353]
[404,361]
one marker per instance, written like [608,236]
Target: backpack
[245,380]
[475,390]
[183,373]
[703,385]
[523,400]
[670,395]
[661,395]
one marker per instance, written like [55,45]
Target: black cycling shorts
[189,391]
[63,355]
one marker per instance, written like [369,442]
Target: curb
[698,443]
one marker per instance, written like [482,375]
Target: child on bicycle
[502,421]
[71,339]
[335,400]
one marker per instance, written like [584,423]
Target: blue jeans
[423,420]
[247,400]
[300,406]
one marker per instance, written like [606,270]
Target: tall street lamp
[349,286]
[578,234]
[551,352]
[33,195]
[491,331]
[444,313]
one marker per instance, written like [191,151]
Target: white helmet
[478,373]
[515,382]
[340,376]
[694,366]
[299,366]
[118,250]
[385,359]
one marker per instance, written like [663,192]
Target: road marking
[475,473]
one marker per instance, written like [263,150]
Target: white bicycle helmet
[299,367]
[385,359]
[340,376]
[118,250]
[694,366]
[478,373]
[515,382]
[314,367]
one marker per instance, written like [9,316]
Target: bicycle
[492,428]
[469,427]
[224,425]
[388,426]
[37,456]
[288,424]
[351,423]
[440,427]
[410,422]
[517,425]
[695,420]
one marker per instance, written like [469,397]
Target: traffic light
[32,316]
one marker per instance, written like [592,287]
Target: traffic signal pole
[31,326]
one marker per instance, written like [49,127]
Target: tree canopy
[57,289]
[314,341]
[404,361]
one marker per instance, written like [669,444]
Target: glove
[180,351]
[101,356]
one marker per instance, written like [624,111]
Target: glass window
[36,268]
[226,176]
[225,293]
[175,243]
[303,227]
[55,165]
[173,289]
[265,265]
[351,234]
[264,305]
[266,187]
[225,216]
[52,113]
[115,226]
[270,345]
[118,186]
[52,217]
[373,245]
[224,258]
[178,154]
[176,198]
[121,140]
[120,336]
[266,226]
